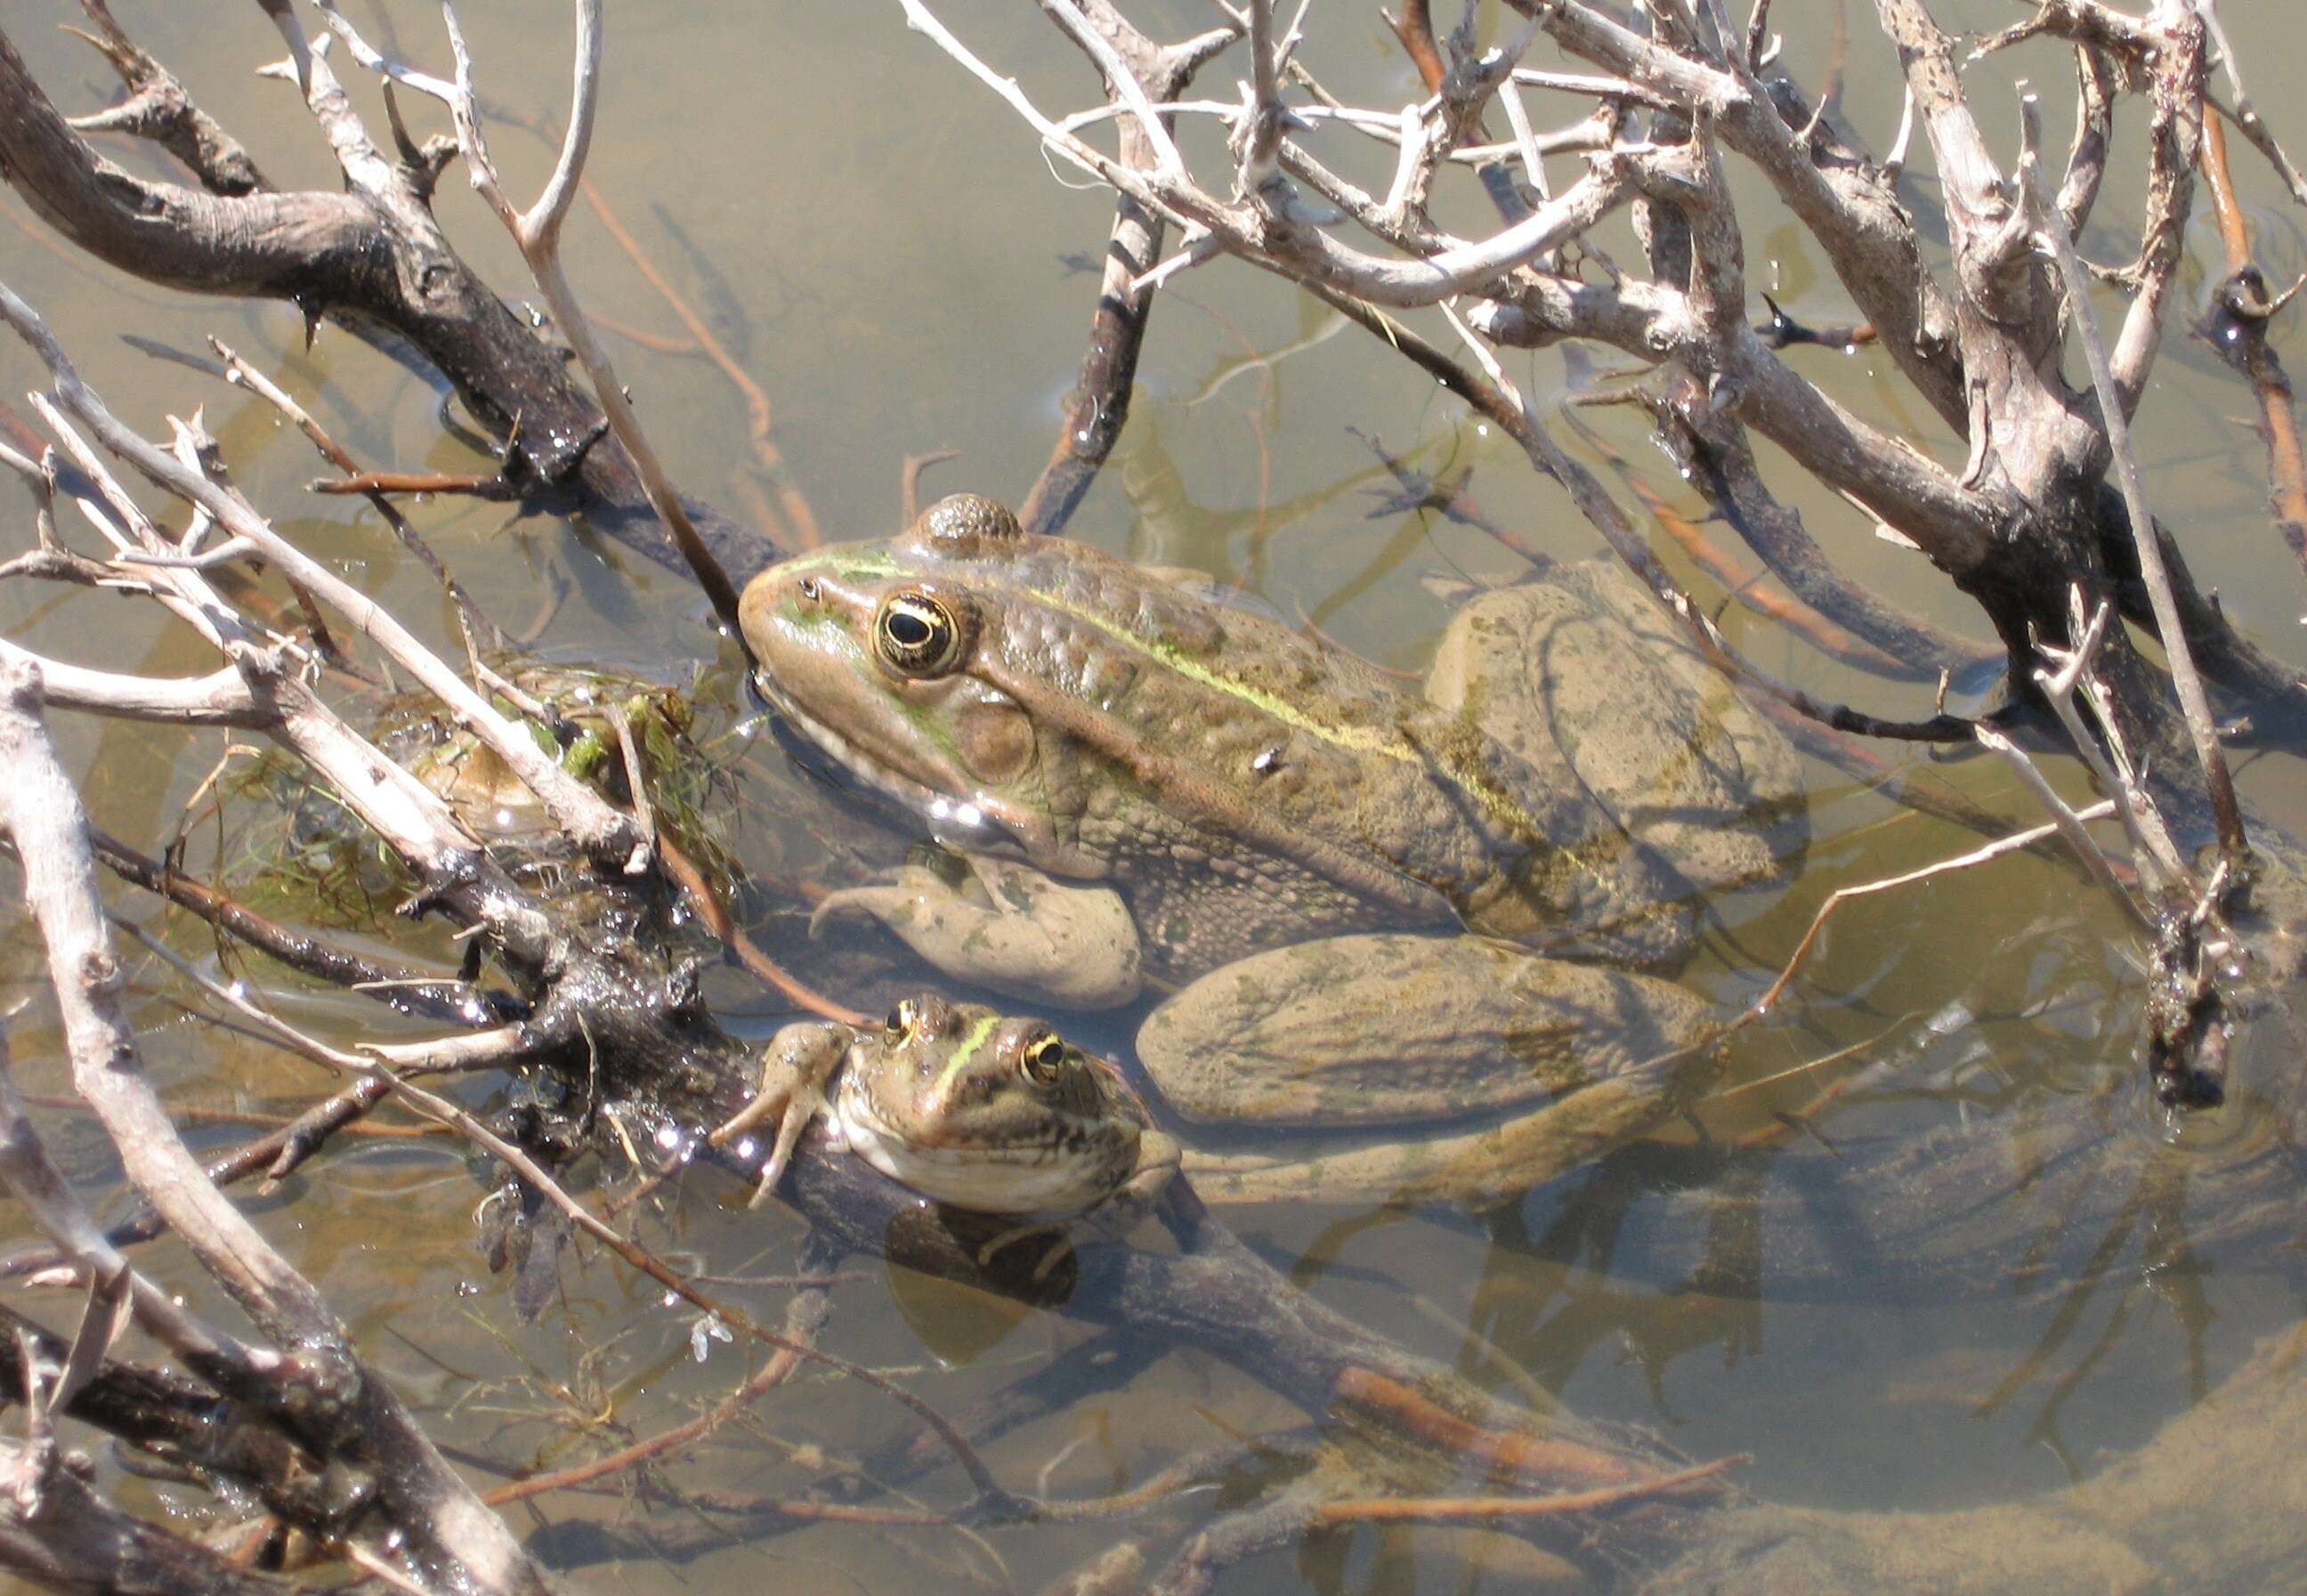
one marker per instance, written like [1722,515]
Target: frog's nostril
[809,588]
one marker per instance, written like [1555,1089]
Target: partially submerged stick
[2185,680]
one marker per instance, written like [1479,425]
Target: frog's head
[875,654]
[989,1112]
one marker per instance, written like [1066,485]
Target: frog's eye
[1043,1058]
[917,634]
[902,1020]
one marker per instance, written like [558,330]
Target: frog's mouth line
[980,826]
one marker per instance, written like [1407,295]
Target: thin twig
[2149,841]
[595,826]
[1260,134]
[2185,681]
[2236,327]
[536,233]
[770,1375]
[706,902]
[2017,842]
[239,373]
[1455,1509]
[2069,822]
[2245,115]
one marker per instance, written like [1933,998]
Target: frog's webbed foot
[795,1067]
[1007,926]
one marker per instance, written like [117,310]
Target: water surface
[876,241]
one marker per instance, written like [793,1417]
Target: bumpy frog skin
[988,1112]
[1222,787]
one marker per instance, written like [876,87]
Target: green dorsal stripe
[1361,739]
[967,1051]
[1502,805]
[847,562]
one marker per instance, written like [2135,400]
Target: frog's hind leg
[1578,676]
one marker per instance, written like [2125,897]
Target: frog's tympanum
[989,1113]
[1353,884]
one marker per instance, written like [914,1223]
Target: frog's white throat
[984,1180]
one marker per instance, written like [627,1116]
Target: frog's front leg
[1007,926]
[796,1067]
[1159,1158]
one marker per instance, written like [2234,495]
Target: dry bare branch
[536,232]
[435,1522]
[2186,682]
[158,109]
[596,827]
[1099,405]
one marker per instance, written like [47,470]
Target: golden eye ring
[1041,1058]
[902,1020]
[918,634]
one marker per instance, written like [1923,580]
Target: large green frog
[1146,785]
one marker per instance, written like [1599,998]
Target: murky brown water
[884,252]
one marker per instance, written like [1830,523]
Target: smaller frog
[978,1109]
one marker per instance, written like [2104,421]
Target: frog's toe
[1060,1247]
[795,1066]
[807,1103]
